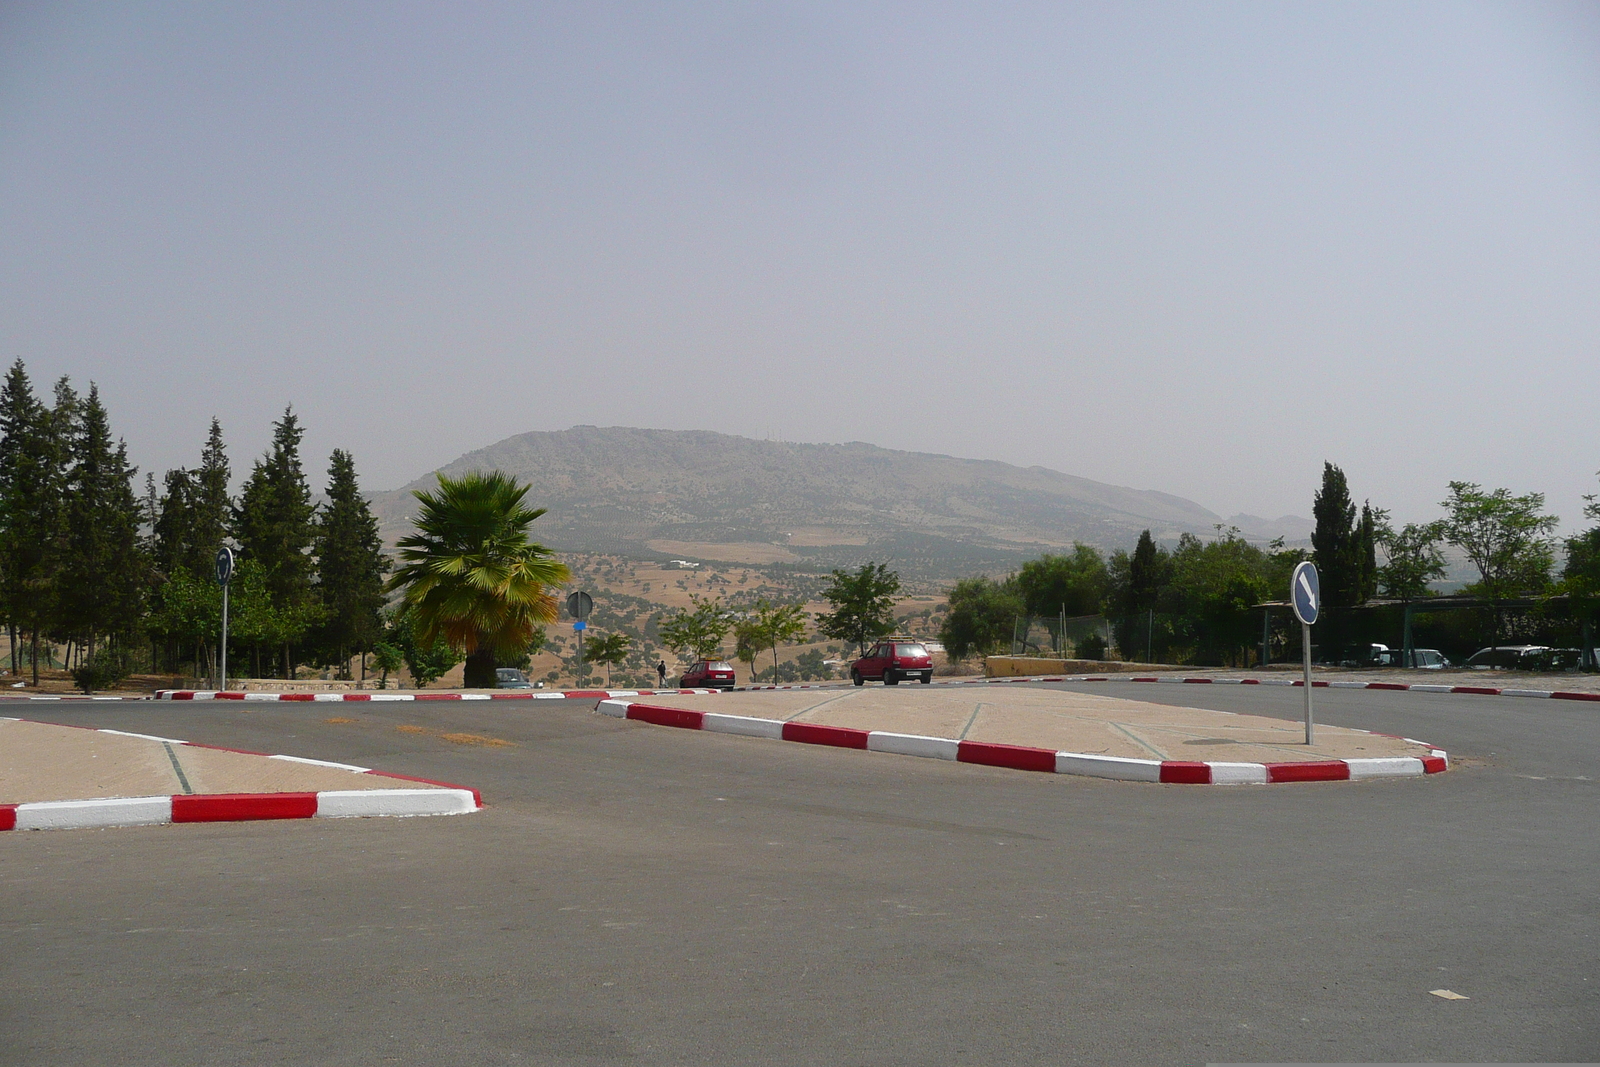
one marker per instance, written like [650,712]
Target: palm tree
[470,574]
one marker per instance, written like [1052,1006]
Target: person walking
[661,674]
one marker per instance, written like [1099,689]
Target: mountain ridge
[700,494]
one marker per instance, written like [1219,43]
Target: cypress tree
[1336,543]
[1147,573]
[273,523]
[350,566]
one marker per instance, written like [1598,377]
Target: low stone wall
[1022,666]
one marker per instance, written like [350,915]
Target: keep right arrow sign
[1305,593]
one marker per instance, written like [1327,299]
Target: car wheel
[926,678]
[856,678]
[890,678]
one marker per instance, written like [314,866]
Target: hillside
[658,494]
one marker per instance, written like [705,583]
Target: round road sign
[1305,593]
[224,565]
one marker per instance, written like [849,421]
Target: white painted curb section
[1241,773]
[84,814]
[1391,767]
[733,724]
[352,803]
[913,745]
[1119,767]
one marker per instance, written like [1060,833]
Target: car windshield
[910,650]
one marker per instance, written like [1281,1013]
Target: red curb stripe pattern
[380,695]
[444,799]
[239,807]
[1017,757]
[810,733]
[1025,758]
[1336,770]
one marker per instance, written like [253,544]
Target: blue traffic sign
[224,565]
[1305,593]
[580,625]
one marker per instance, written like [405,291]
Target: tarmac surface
[638,895]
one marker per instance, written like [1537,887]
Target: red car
[892,660]
[708,674]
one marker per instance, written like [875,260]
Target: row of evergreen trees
[126,582]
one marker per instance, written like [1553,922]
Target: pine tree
[273,523]
[350,566]
[211,503]
[23,466]
[102,579]
[1336,543]
[33,443]
[173,528]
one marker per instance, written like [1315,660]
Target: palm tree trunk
[479,673]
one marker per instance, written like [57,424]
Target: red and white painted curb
[613,694]
[381,695]
[1472,690]
[1024,758]
[59,696]
[241,807]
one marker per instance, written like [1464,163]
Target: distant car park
[1525,658]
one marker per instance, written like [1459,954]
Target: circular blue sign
[224,565]
[1305,593]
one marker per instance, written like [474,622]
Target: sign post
[1305,593]
[579,605]
[224,573]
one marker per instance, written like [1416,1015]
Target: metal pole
[1149,636]
[224,652]
[583,674]
[1305,644]
[1266,636]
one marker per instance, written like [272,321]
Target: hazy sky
[1197,248]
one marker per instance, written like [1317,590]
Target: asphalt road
[642,895]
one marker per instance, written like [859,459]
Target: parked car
[511,678]
[1509,658]
[1422,659]
[708,674]
[893,660]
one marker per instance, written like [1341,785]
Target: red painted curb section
[8,816]
[1184,772]
[810,733]
[1336,770]
[1026,758]
[1575,696]
[239,807]
[1017,757]
[682,718]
